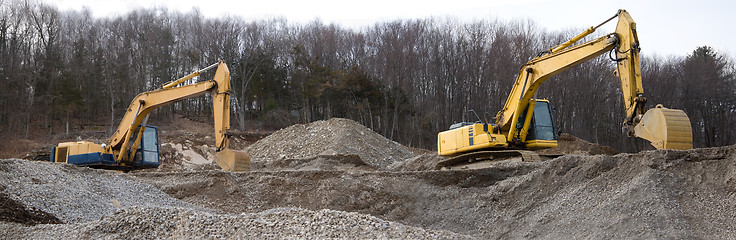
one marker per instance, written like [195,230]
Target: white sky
[674,27]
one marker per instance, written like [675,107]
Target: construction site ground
[339,179]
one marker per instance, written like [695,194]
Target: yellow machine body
[515,123]
[538,131]
[469,138]
[63,150]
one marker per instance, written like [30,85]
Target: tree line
[405,79]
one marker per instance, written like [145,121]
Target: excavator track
[484,159]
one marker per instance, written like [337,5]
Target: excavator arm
[538,70]
[127,135]
[664,128]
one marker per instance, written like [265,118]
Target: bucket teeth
[666,128]
[233,160]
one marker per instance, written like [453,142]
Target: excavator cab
[538,130]
[542,126]
[147,154]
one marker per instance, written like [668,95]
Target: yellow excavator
[136,146]
[525,123]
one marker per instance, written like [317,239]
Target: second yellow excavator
[135,145]
[525,123]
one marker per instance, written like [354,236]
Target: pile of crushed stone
[280,223]
[74,194]
[337,142]
[569,144]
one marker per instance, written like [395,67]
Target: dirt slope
[569,144]
[655,194]
[422,162]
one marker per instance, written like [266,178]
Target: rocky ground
[338,179]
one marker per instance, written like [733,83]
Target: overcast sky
[674,27]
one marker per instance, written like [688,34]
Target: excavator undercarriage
[484,159]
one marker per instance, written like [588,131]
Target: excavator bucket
[233,160]
[666,128]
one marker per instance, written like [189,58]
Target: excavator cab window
[147,154]
[542,127]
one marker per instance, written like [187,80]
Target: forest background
[407,79]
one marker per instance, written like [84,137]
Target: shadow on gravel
[13,211]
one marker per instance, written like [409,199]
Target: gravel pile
[76,194]
[281,223]
[335,137]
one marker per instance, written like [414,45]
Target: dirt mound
[569,144]
[654,194]
[181,150]
[39,154]
[14,147]
[334,137]
[282,223]
[423,162]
